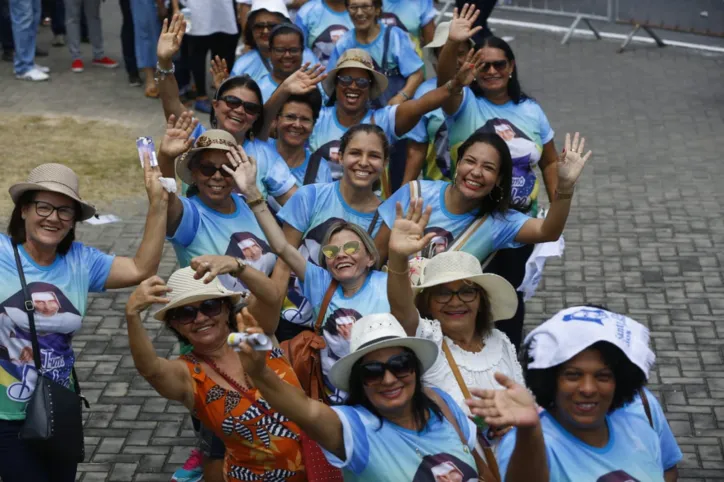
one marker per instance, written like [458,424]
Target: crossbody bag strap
[325,304]
[647,406]
[29,309]
[376,217]
[386,49]
[312,169]
[467,234]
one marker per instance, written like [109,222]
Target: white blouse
[477,369]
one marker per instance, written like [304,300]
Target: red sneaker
[77,66]
[106,62]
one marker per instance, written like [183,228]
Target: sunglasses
[45,210]
[210,170]
[444,295]
[331,251]
[234,103]
[346,81]
[497,65]
[187,314]
[260,26]
[401,366]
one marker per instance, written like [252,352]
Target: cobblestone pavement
[645,237]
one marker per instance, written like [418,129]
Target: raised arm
[412,82]
[320,422]
[170,379]
[244,172]
[169,44]
[126,271]
[416,155]
[407,238]
[570,164]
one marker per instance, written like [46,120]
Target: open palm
[461,27]
[408,233]
[572,161]
[511,406]
[243,169]
[177,138]
[305,79]
[172,33]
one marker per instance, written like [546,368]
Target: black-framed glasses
[292,118]
[466,294]
[44,210]
[210,170]
[401,366]
[187,314]
[360,8]
[498,65]
[261,26]
[284,50]
[361,82]
[349,248]
[234,103]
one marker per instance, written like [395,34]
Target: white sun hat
[374,332]
[442,31]
[457,265]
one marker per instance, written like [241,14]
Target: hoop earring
[500,198]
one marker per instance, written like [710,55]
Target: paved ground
[646,236]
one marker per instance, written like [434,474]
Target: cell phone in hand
[145,145]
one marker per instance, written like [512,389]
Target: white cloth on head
[573,330]
[536,262]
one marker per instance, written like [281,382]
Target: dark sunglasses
[259,26]
[466,294]
[331,251]
[401,366]
[210,170]
[234,103]
[187,314]
[44,210]
[346,81]
[497,65]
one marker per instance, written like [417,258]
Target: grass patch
[102,154]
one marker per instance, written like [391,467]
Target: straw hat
[211,139]
[187,290]
[53,178]
[374,332]
[458,265]
[356,59]
[442,31]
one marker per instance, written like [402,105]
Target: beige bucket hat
[186,290]
[374,332]
[442,31]
[458,265]
[356,59]
[211,139]
[54,178]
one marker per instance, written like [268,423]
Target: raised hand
[219,71]
[243,170]
[304,80]
[461,27]
[172,33]
[571,162]
[155,191]
[513,405]
[469,69]
[408,233]
[153,290]
[254,361]
[177,138]
[212,266]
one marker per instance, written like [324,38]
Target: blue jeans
[146,30]
[25,15]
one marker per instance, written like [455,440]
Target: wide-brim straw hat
[442,31]
[460,266]
[186,290]
[211,139]
[53,178]
[356,59]
[374,332]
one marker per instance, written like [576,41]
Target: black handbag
[53,420]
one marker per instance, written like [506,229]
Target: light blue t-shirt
[391,453]
[410,16]
[497,232]
[324,175]
[670,451]
[60,295]
[252,64]
[322,28]
[524,127]
[273,177]
[328,132]
[632,452]
[312,210]
[342,313]
[400,54]
[433,130]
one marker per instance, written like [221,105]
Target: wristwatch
[241,268]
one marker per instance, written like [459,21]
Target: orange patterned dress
[261,444]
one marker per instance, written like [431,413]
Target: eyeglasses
[346,81]
[260,26]
[401,366]
[210,170]
[497,65]
[44,210]
[234,103]
[283,50]
[444,295]
[187,314]
[292,118]
[331,251]
[360,8]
